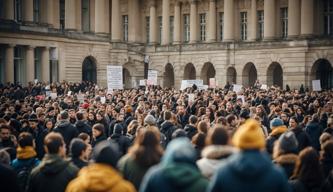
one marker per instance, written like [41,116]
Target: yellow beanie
[249,136]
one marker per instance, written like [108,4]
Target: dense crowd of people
[78,137]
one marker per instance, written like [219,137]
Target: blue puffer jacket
[249,170]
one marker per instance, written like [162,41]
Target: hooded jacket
[287,162]
[167,128]
[302,137]
[212,156]
[52,174]
[26,157]
[83,127]
[67,130]
[190,130]
[249,170]
[100,178]
[177,171]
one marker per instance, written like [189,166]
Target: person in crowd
[8,177]
[54,172]
[278,128]
[123,142]
[98,134]
[329,128]
[81,125]
[191,128]
[216,150]
[79,153]
[302,137]
[7,140]
[26,159]
[308,175]
[314,130]
[65,128]
[250,168]
[131,130]
[323,138]
[91,118]
[326,159]
[177,171]
[145,153]
[167,127]
[101,175]
[285,152]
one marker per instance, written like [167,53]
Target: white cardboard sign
[115,77]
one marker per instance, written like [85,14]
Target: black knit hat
[106,152]
[288,142]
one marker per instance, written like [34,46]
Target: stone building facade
[238,41]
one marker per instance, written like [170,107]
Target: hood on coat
[96,177]
[180,150]
[63,123]
[166,125]
[217,151]
[286,159]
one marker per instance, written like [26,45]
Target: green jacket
[52,174]
[131,170]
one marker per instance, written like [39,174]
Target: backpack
[23,175]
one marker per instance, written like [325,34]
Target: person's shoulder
[124,186]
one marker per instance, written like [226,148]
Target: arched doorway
[275,75]
[249,75]
[89,70]
[231,75]
[323,70]
[169,76]
[207,71]
[189,72]
[127,80]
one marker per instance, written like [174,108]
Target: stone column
[193,22]
[212,21]
[115,19]
[152,22]
[45,64]
[30,59]
[99,16]
[294,14]
[56,14]
[27,11]
[307,18]
[228,28]
[78,15]
[70,15]
[269,21]
[253,21]
[176,28]
[50,12]
[10,63]
[134,24]
[165,22]
[9,9]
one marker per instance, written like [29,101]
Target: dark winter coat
[302,138]
[123,142]
[98,139]
[314,130]
[274,136]
[83,127]
[52,175]
[79,163]
[190,131]
[167,128]
[299,186]
[67,130]
[249,170]
[326,164]
[8,179]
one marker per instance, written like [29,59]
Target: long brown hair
[147,150]
[308,169]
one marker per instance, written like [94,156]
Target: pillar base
[211,41]
[176,43]
[228,40]
[269,38]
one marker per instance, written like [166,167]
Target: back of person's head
[178,133]
[325,137]
[106,152]
[308,167]
[193,119]
[118,128]
[167,115]
[328,148]
[202,127]
[315,118]
[180,150]
[199,140]
[217,136]
[287,143]
[64,115]
[230,118]
[53,142]
[99,127]
[83,136]
[79,116]
[249,136]
[25,139]
[131,129]
[77,146]
[276,122]
[150,120]
[4,157]
[147,150]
